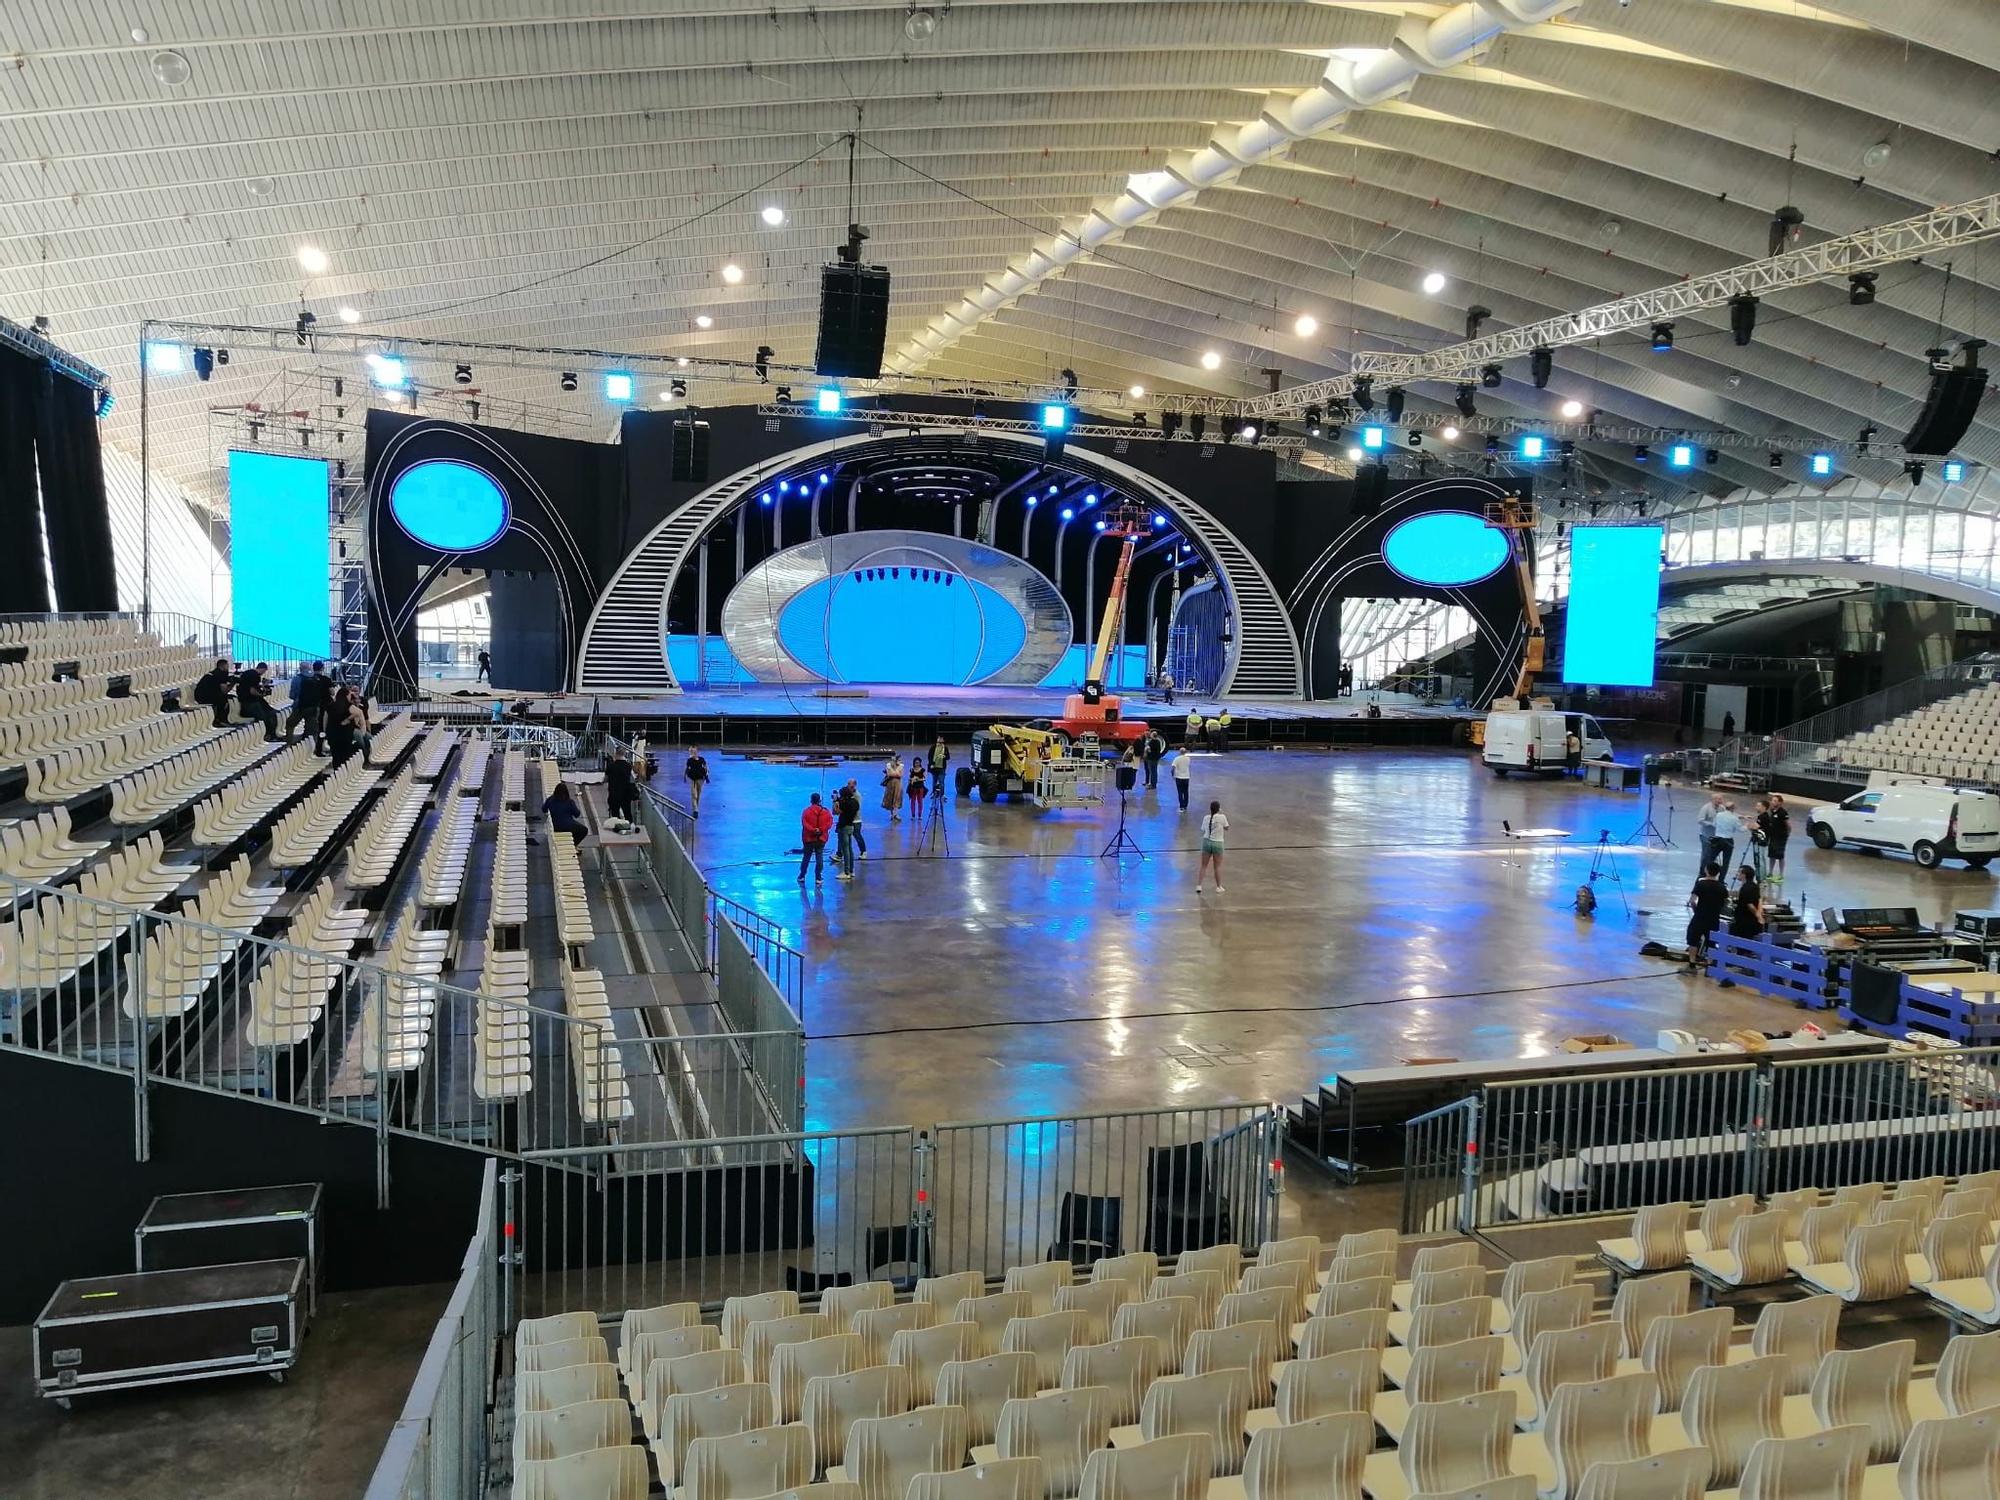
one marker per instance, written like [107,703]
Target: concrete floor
[1374,912]
[316,1437]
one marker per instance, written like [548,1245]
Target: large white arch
[624,643]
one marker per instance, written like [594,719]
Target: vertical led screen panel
[278,550]
[1610,633]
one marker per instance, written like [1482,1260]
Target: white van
[1532,740]
[1926,821]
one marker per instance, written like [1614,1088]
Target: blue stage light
[829,399]
[1100,525]
[822,479]
[166,359]
[1821,465]
[1681,456]
[1533,446]
[1372,438]
[1033,501]
[1052,489]
[1091,498]
[617,386]
[784,486]
[765,498]
[387,371]
[1068,514]
[1953,470]
[1159,520]
[1055,418]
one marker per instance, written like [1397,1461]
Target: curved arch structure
[624,644]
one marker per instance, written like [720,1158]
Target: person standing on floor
[892,787]
[1777,834]
[860,838]
[1167,687]
[1746,917]
[940,759]
[1728,829]
[295,715]
[1705,902]
[1705,826]
[918,789]
[814,824]
[696,772]
[1192,731]
[340,724]
[1183,770]
[1155,748]
[847,824]
[318,693]
[1729,725]
[485,666]
[1222,730]
[1572,754]
[1213,828]
[620,790]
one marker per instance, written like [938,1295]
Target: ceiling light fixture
[1136,392]
[772,215]
[171,69]
[1210,360]
[313,260]
[703,320]
[1435,282]
[1306,326]
[1449,433]
[921,24]
[1572,409]
[732,273]
[350,315]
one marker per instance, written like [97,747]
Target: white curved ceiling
[477,155]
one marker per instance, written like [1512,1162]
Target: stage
[771,714]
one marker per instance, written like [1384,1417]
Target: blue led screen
[901,625]
[278,551]
[1445,548]
[1610,631]
[454,507]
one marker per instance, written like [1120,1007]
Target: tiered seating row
[513,778]
[441,876]
[24,736]
[373,853]
[510,870]
[289,994]
[388,740]
[603,1095]
[173,783]
[31,633]
[42,697]
[52,940]
[396,1036]
[1133,1385]
[472,767]
[572,899]
[41,851]
[434,751]
[503,1043]
[301,833]
[1955,737]
[181,959]
[87,767]
[235,809]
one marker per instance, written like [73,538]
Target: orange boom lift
[1094,711]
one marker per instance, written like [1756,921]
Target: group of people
[903,784]
[1768,831]
[333,713]
[1212,731]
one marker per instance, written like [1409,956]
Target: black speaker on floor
[691,451]
[853,321]
[1952,401]
[1371,488]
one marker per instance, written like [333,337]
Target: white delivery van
[1532,739]
[1926,821]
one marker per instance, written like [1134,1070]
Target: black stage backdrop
[48,423]
[565,500]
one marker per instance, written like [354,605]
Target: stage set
[787,573]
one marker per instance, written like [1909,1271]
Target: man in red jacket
[814,825]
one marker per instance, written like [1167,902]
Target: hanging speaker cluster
[853,313]
[1952,401]
[690,456]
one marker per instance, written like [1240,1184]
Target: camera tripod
[1650,829]
[936,837]
[1603,866]
[1122,843]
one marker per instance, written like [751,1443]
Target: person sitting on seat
[564,816]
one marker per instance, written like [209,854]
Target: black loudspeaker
[853,321]
[1371,488]
[691,452]
[1950,405]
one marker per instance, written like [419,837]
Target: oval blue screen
[451,506]
[901,626]
[1446,547]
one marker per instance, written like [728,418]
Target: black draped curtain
[48,425]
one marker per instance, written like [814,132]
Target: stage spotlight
[765,498]
[1198,426]
[1159,520]
[784,395]
[1776,460]
[1663,337]
[1372,438]
[1712,457]
[617,386]
[1861,288]
[568,380]
[388,371]
[1681,456]
[1069,383]
[1642,454]
[1742,318]
[105,401]
[1449,433]
[1248,432]
[1533,445]
[1354,455]
[1033,501]
[204,362]
[1475,317]
[302,330]
[677,389]
[772,215]
[165,359]
[1541,364]
[829,400]
[1864,437]
[1138,419]
[763,362]
[350,315]
[1820,465]
[313,260]
[221,357]
[1783,222]
[1090,500]
[1055,417]
[1572,409]
[732,273]
[1490,376]
[1394,405]
[1170,424]
[1464,400]
[1434,283]
[1313,416]
[1364,392]
[1913,469]
[1069,513]
[1415,439]
[703,320]
[1136,392]
[462,374]
[1952,471]
[1210,360]
[1100,525]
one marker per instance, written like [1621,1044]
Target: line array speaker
[690,461]
[1951,403]
[853,321]
[1371,488]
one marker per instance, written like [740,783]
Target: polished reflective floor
[1374,911]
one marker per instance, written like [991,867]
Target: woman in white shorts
[1214,827]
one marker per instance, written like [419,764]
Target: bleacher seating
[289,993]
[503,1042]
[441,874]
[41,850]
[1956,738]
[171,784]
[387,741]
[87,767]
[60,935]
[178,961]
[231,811]
[433,751]
[373,851]
[603,1095]
[573,922]
[510,870]
[513,778]
[27,735]
[396,1034]
[302,832]
[472,767]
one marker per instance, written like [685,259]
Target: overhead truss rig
[1870,249]
[1610,432]
[882,419]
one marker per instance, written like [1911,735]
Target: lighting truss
[37,345]
[1290,443]
[1923,235]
